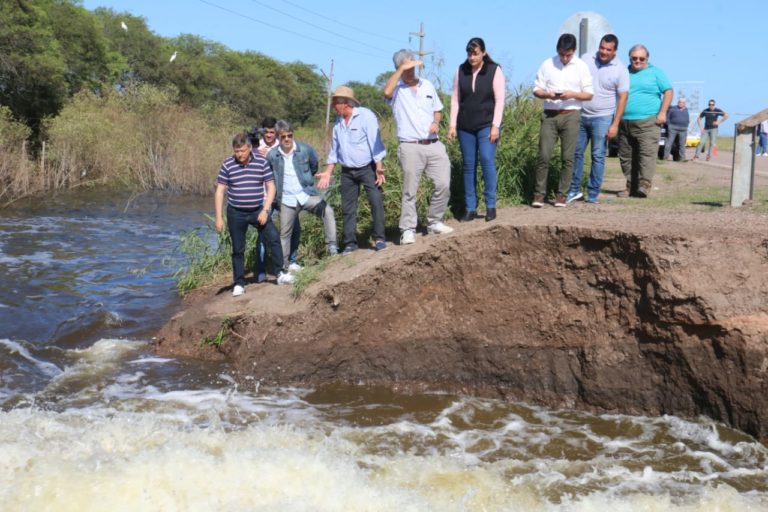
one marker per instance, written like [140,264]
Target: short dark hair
[610,38]
[566,42]
[268,122]
[241,139]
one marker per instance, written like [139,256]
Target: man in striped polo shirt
[247,179]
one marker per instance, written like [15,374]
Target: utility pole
[329,79]
[422,53]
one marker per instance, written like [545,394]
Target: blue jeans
[591,129]
[710,136]
[473,144]
[238,222]
[763,145]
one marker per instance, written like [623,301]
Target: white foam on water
[45,367]
[112,460]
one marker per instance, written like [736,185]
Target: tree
[32,69]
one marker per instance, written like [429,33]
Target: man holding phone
[563,82]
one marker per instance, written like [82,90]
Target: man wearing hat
[356,145]
[417,110]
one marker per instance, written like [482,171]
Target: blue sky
[718,48]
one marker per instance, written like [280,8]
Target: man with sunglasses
[709,131]
[650,94]
[295,165]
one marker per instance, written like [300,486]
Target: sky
[709,49]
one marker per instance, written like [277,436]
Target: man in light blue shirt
[356,145]
[295,165]
[416,107]
[650,93]
[600,116]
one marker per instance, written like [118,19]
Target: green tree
[82,44]
[372,97]
[32,69]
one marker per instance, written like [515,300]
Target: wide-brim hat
[345,92]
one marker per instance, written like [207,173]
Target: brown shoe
[560,201]
[644,189]
[538,200]
[626,191]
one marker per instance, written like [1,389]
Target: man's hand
[613,131]
[451,133]
[661,118]
[219,224]
[380,179]
[263,216]
[410,64]
[323,180]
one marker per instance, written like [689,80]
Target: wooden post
[42,159]
[743,169]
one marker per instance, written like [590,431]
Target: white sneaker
[285,278]
[238,290]
[408,237]
[438,228]
[294,267]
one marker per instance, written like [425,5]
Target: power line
[250,18]
[317,26]
[367,32]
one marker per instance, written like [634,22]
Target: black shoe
[490,214]
[468,216]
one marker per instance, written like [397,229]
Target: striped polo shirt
[245,183]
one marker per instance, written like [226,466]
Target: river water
[91,419]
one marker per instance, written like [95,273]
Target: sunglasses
[286,136]
[639,59]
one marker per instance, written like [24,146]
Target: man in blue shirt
[247,181]
[357,146]
[650,93]
[677,129]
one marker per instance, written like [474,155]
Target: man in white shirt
[563,82]
[417,111]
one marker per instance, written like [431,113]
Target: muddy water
[92,420]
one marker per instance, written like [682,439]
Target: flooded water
[91,419]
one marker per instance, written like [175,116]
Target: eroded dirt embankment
[595,318]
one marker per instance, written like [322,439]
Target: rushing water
[92,420]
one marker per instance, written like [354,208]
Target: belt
[563,111]
[246,210]
[420,141]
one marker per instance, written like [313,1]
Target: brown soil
[623,306]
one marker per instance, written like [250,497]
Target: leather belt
[557,112]
[421,141]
